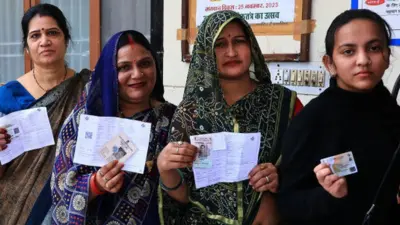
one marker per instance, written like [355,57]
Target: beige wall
[323,11]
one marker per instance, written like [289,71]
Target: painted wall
[323,11]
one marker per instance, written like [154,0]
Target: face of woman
[136,74]
[360,56]
[45,41]
[232,51]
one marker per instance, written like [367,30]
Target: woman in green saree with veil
[228,89]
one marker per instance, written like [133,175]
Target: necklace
[34,76]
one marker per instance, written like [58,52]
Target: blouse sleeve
[298,106]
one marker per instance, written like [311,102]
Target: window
[77,14]
[11,52]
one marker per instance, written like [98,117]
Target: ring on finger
[101,173]
[268,180]
[177,150]
[106,179]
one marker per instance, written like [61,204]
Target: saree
[137,199]
[267,110]
[26,176]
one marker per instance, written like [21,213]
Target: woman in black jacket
[356,113]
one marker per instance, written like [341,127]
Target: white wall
[323,11]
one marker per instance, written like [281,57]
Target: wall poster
[388,9]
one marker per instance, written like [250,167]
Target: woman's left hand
[264,177]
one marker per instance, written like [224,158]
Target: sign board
[282,27]
[388,9]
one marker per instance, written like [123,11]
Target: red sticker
[374,2]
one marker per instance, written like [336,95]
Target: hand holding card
[332,183]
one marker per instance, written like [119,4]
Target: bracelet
[93,186]
[165,188]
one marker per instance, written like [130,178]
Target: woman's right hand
[336,186]
[110,177]
[176,155]
[4,139]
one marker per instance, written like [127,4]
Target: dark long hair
[349,15]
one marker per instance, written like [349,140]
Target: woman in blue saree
[126,83]
[24,182]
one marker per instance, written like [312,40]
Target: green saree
[203,110]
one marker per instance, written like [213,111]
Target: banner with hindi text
[254,11]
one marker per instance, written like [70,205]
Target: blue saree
[136,202]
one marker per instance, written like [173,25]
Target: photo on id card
[204,145]
[119,148]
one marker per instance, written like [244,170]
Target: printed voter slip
[342,164]
[119,148]
[204,144]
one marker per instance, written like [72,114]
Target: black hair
[45,10]
[139,38]
[349,15]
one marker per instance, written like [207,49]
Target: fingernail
[4,147]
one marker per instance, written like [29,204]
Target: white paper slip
[94,132]
[119,148]
[342,164]
[29,129]
[231,164]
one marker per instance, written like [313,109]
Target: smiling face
[136,74]
[232,51]
[45,41]
[360,56]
